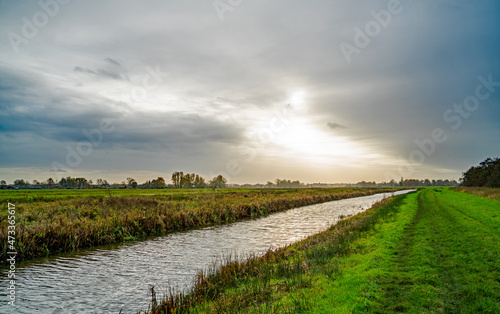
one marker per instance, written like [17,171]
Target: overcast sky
[316,91]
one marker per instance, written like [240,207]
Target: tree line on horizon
[179,180]
[486,174]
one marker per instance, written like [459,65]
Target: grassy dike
[486,192]
[48,222]
[436,250]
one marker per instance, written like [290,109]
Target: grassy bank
[436,250]
[66,220]
[485,192]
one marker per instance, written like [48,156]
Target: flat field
[436,250]
[52,221]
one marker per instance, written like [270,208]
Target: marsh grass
[46,227]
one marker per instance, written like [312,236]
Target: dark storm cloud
[35,113]
[189,134]
[158,131]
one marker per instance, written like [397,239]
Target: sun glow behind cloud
[297,99]
[303,141]
[300,139]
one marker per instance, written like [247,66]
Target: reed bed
[49,227]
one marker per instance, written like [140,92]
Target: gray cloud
[53,121]
[335,125]
[112,61]
[99,72]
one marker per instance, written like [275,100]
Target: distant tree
[101,182]
[81,183]
[20,183]
[131,183]
[3,182]
[366,184]
[494,178]
[287,183]
[199,182]
[187,181]
[412,182]
[177,178]
[69,182]
[487,174]
[50,182]
[218,182]
[160,183]
[63,182]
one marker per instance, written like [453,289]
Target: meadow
[434,250]
[55,221]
